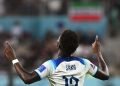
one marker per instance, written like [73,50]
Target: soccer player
[66,70]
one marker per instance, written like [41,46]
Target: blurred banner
[86,12]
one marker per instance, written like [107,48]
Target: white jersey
[66,71]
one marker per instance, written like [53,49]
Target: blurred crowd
[32,51]
[46,7]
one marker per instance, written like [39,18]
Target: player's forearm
[102,64]
[27,77]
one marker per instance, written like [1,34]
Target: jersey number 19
[70,81]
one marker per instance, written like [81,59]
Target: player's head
[68,42]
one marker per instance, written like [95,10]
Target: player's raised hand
[9,51]
[96,45]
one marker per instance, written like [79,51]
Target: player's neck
[61,54]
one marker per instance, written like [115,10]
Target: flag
[85,12]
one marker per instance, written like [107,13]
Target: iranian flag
[82,12]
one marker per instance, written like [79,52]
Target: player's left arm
[102,71]
[27,77]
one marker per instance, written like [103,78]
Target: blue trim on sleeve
[59,60]
[41,68]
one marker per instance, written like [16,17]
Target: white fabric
[92,69]
[72,70]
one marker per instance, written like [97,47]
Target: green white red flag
[81,12]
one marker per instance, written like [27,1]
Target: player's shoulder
[83,60]
[80,59]
[87,61]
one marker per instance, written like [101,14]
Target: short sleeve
[44,70]
[92,69]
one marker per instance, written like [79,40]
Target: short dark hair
[68,42]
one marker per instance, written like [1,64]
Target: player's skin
[30,77]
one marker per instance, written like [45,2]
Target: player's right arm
[27,77]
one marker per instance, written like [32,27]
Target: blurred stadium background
[33,27]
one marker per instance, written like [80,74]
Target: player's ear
[58,44]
